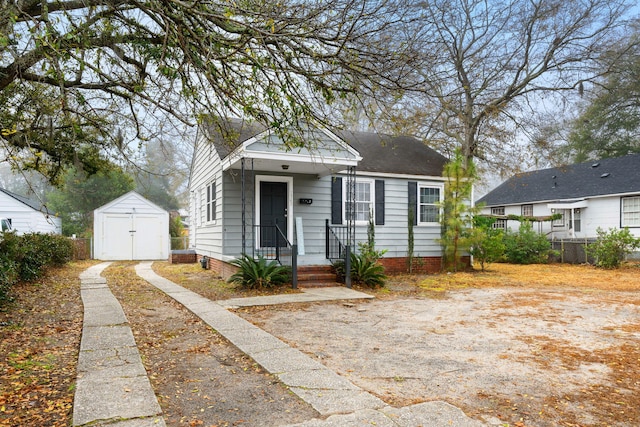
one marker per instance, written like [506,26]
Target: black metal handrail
[336,249]
[272,244]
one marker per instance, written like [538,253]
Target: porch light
[285,167]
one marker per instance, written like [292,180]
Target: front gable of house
[310,150]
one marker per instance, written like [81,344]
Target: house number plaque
[306,201]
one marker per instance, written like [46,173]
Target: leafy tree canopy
[609,125]
[72,72]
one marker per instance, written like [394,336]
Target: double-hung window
[363,200]
[499,222]
[576,220]
[428,200]
[210,202]
[630,211]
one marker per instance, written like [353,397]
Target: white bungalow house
[603,193]
[27,215]
[252,193]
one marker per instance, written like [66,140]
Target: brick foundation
[399,265]
[182,257]
[420,265]
[224,269]
[396,265]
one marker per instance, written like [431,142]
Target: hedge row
[24,258]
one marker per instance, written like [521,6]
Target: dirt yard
[532,352]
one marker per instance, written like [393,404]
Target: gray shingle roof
[394,154]
[595,178]
[33,204]
[380,153]
[228,134]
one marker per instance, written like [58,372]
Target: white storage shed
[131,228]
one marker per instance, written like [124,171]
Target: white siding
[206,238]
[603,212]
[24,219]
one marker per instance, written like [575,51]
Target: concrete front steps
[317,276]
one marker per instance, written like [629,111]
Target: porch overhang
[568,205]
[289,163]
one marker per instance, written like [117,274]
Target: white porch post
[573,225]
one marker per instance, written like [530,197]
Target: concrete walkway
[307,295]
[338,401]
[112,387]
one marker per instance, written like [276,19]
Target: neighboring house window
[428,199]
[576,220]
[499,223]
[210,202]
[631,212]
[560,221]
[527,210]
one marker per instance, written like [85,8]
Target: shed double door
[132,237]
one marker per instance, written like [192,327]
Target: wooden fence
[82,249]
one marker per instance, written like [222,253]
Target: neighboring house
[131,228]
[27,215]
[244,182]
[603,193]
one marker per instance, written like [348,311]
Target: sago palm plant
[259,273]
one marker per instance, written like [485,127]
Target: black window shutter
[413,200]
[336,200]
[379,202]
